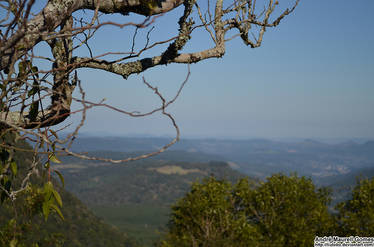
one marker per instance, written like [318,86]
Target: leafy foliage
[356,216]
[206,216]
[287,211]
[284,211]
[35,216]
[80,227]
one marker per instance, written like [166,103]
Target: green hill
[136,196]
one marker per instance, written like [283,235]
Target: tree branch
[142,7]
[41,26]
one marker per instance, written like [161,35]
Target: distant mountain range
[136,196]
[256,157]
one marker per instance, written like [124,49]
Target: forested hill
[136,196]
[161,179]
[79,228]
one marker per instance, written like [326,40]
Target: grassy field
[142,222]
[169,170]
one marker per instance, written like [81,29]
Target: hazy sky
[312,77]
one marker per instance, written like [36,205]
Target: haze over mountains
[257,157]
[136,196]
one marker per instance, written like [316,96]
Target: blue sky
[313,77]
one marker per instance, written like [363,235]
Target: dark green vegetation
[356,215]
[144,222]
[80,227]
[161,179]
[136,196]
[22,222]
[283,211]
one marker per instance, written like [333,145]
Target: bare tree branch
[26,89]
[43,24]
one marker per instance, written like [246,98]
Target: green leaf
[57,196]
[61,177]
[3,180]
[58,211]
[47,164]
[13,243]
[48,186]
[46,209]
[13,167]
[48,189]
[53,158]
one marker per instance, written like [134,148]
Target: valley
[136,196]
